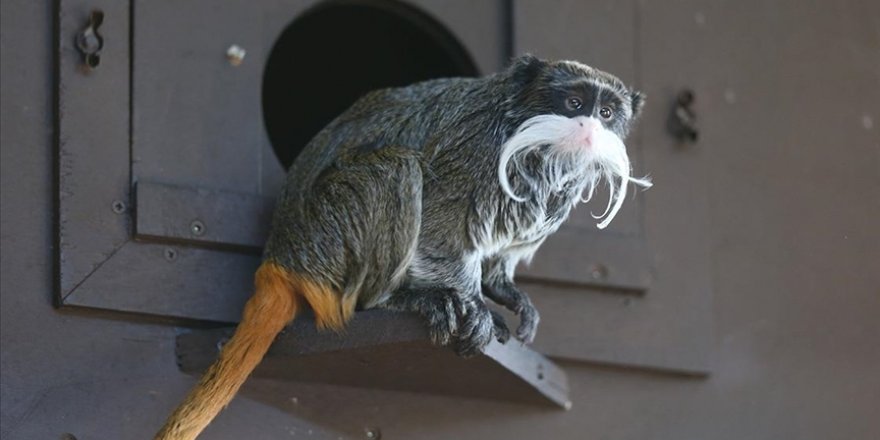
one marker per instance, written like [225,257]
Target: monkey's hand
[515,300]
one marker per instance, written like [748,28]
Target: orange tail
[273,306]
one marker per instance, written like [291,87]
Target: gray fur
[397,200]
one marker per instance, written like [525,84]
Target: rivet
[118,206]
[373,433]
[599,272]
[235,54]
[197,227]
[730,96]
[170,254]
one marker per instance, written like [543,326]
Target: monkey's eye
[574,103]
[606,113]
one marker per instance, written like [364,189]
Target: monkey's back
[407,117]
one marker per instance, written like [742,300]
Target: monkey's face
[575,90]
[574,121]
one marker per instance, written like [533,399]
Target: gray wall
[794,247]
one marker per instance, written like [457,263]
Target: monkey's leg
[499,287]
[444,288]
[356,228]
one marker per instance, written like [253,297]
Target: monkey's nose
[589,127]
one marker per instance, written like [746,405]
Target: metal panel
[199,216]
[196,117]
[93,155]
[650,302]
[607,261]
[146,278]
[388,350]
[186,125]
[98,264]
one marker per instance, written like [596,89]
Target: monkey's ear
[525,68]
[637,100]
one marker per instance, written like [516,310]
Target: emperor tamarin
[425,198]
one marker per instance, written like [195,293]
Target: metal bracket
[391,350]
[89,42]
[682,122]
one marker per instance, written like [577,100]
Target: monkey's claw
[502,333]
[441,315]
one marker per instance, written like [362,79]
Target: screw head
[118,206]
[197,227]
[373,433]
[170,254]
[221,343]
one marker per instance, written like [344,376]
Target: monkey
[424,199]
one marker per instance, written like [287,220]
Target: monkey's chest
[533,221]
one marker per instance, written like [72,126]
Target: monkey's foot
[464,323]
[476,326]
[517,302]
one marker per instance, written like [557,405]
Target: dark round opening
[339,50]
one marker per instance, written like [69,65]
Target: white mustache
[568,159]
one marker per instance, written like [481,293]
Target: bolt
[197,227]
[118,206]
[373,433]
[170,254]
[235,54]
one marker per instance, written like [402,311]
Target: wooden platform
[389,350]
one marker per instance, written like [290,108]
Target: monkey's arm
[498,285]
